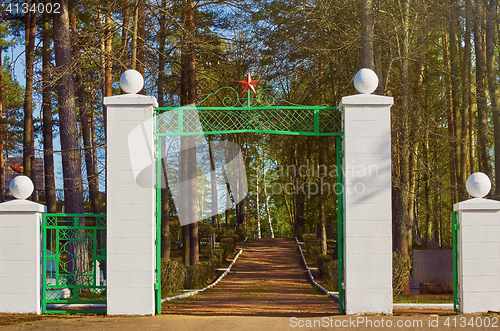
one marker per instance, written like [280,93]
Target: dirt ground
[267,289]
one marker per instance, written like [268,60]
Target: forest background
[438,59]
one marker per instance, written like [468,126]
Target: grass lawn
[424,298]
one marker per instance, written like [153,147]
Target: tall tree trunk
[186,242]
[300,211]
[6,123]
[107,75]
[299,153]
[93,135]
[321,207]
[183,96]
[242,205]
[48,151]
[462,139]
[191,85]
[257,204]
[407,218]
[141,31]
[165,225]
[466,168]
[468,85]
[437,212]
[451,121]
[482,112]
[165,213]
[125,34]
[268,213]
[165,193]
[28,134]
[161,55]
[108,67]
[84,120]
[214,195]
[459,189]
[68,124]
[427,190]
[415,132]
[188,156]
[135,36]
[321,81]
[367,34]
[492,86]
[73,192]
[2,138]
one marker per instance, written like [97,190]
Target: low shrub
[196,275]
[172,277]
[176,276]
[328,268]
[217,257]
[227,233]
[228,244]
[241,231]
[199,275]
[401,265]
[312,245]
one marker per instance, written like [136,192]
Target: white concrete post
[367,194]
[130,202]
[20,244]
[478,249]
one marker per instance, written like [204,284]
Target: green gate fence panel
[73,258]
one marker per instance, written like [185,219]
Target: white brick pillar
[130,204]
[367,198]
[20,265]
[478,254]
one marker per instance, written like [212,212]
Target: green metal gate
[266,112]
[73,263]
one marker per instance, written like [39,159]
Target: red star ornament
[248,84]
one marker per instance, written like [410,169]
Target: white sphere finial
[21,187]
[478,185]
[366,81]
[131,81]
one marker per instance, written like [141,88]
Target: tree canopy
[437,59]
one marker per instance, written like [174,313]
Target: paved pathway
[268,279]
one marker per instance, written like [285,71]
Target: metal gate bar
[73,253]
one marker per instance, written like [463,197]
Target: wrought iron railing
[73,258]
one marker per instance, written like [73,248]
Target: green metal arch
[289,120]
[249,115]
